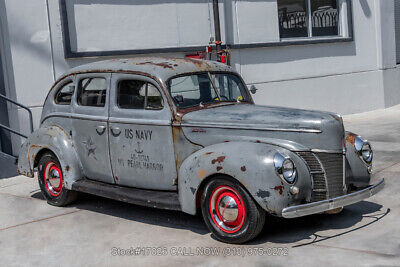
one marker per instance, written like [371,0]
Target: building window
[296,16]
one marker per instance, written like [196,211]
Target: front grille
[333,166]
[327,174]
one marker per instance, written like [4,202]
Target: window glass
[92,92]
[293,19]
[191,90]
[64,95]
[230,87]
[295,16]
[134,94]
[154,98]
[324,17]
[196,89]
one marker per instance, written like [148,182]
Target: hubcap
[53,178]
[227,209]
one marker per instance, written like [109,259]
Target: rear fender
[56,140]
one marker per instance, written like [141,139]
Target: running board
[149,198]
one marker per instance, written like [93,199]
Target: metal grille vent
[327,174]
[333,166]
[318,176]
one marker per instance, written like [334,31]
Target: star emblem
[90,147]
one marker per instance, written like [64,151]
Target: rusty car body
[158,131]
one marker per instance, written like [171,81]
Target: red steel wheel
[229,212]
[53,178]
[51,181]
[227,209]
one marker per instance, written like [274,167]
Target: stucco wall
[344,77]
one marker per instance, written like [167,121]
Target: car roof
[159,67]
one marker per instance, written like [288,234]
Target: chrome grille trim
[318,176]
[333,166]
[327,174]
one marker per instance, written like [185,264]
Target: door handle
[115,131]
[100,129]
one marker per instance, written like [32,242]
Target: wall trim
[69,54]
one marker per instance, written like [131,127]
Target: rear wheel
[50,177]
[230,213]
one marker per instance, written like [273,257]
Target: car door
[141,147]
[90,125]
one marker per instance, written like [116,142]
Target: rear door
[89,124]
[141,147]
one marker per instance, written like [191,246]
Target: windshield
[205,88]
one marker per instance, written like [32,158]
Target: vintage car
[185,134]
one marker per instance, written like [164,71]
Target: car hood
[311,129]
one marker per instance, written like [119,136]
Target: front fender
[249,163]
[56,140]
[356,171]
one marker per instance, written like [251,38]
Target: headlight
[364,150]
[285,168]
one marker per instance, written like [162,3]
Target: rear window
[92,92]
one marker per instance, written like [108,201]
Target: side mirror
[253,89]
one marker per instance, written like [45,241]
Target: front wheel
[230,213]
[50,178]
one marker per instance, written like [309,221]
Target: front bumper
[329,204]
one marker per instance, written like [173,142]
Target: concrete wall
[344,77]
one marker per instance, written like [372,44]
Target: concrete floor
[364,234]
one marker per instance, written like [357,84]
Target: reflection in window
[296,15]
[324,17]
[64,95]
[134,94]
[293,19]
[92,92]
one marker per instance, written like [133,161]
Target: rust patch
[335,117]
[243,168]
[219,160]
[279,188]
[201,173]
[198,130]
[350,138]
[164,65]
[183,111]
[67,168]
[219,168]
[209,153]
[200,64]
[258,141]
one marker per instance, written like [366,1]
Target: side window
[92,92]
[134,94]
[64,95]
